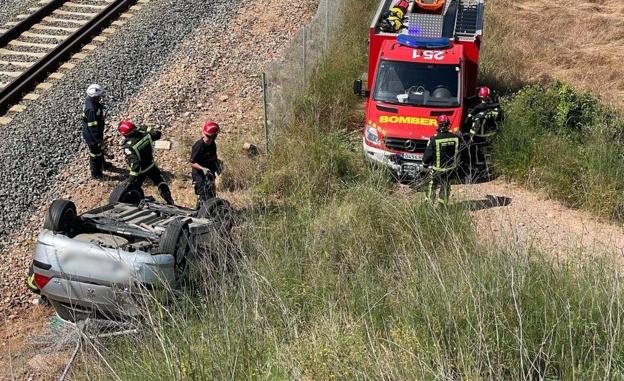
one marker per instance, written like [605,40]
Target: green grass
[561,140]
[339,279]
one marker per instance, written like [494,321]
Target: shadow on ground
[489,202]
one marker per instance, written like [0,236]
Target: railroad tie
[44,36]
[89,6]
[17,53]
[49,27]
[54,19]
[16,63]
[32,44]
[69,13]
[12,74]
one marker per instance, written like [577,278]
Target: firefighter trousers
[157,178]
[205,187]
[96,159]
[439,187]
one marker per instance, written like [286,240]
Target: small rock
[224,98]
[251,149]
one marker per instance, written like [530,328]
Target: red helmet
[484,92]
[443,121]
[211,128]
[126,127]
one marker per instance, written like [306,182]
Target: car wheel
[61,217]
[175,241]
[126,194]
[220,210]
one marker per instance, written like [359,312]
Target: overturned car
[96,264]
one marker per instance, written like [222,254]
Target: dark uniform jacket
[93,121]
[206,156]
[484,119]
[139,151]
[442,153]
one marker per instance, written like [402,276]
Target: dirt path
[506,213]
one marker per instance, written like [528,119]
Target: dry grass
[581,43]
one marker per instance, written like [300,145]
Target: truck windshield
[417,84]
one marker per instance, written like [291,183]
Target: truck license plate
[412,156]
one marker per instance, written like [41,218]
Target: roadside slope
[579,42]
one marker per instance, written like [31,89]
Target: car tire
[175,241]
[61,217]
[126,194]
[220,210]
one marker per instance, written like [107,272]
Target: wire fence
[286,78]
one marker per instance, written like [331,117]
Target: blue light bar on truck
[423,42]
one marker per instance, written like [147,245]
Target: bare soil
[505,213]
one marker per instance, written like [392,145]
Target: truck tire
[175,241]
[220,210]
[61,217]
[125,194]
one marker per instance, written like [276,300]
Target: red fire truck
[421,66]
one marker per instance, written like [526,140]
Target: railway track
[36,45]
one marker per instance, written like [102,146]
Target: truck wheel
[61,217]
[175,241]
[220,210]
[126,194]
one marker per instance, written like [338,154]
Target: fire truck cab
[427,67]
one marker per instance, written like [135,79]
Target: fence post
[305,55]
[266,113]
[326,23]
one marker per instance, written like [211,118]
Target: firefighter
[441,158]
[139,151]
[392,20]
[93,129]
[204,162]
[483,122]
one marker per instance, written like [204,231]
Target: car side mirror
[358,89]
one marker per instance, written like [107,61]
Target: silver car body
[105,270]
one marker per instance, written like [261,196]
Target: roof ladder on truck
[469,21]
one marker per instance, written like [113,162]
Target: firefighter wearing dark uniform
[205,163]
[442,158]
[93,129]
[139,151]
[483,120]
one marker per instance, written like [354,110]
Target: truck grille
[406,145]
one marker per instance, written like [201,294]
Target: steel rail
[15,90]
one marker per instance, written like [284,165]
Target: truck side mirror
[358,89]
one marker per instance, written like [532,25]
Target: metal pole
[326,23]
[305,55]
[266,113]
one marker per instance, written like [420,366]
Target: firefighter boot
[165,193]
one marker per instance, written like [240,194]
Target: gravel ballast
[42,140]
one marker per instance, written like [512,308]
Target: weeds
[562,140]
[340,280]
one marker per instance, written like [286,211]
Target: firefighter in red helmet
[139,151]
[483,122]
[205,163]
[442,159]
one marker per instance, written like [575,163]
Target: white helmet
[95,90]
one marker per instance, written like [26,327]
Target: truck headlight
[372,135]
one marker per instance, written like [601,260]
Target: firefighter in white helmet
[93,129]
